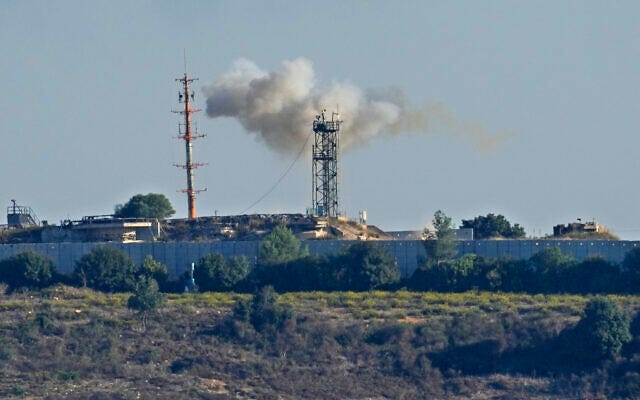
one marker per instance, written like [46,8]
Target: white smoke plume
[280,107]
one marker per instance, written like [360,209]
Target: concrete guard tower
[325,165]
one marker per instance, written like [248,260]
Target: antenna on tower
[325,165]
[184,57]
[188,133]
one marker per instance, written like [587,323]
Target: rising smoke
[280,106]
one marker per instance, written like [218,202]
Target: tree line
[286,264]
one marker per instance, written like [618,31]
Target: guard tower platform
[21,216]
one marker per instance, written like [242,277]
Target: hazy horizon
[553,87]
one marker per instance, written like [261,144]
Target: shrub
[107,269]
[364,266]
[446,276]
[553,269]
[631,265]
[27,269]
[146,298]
[212,273]
[280,246]
[264,312]
[304,274]
[596,275]
[602,331]
[154,269]
[152,205]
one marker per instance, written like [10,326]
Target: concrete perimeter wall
[178,256]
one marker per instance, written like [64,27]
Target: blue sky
[87,89]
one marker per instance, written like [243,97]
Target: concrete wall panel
[177,256]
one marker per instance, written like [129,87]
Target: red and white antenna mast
[188,133]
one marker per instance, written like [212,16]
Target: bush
[152,205]
[106,269]
[304,274]
[280,246]
[596,275]
[553,270]
[364,266]
[154,269]
[447,276]
[602,331]
[27,269]
[212,273]
[631,266]
[264,312]
[493,226]
[146,298]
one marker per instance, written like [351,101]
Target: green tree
[265,312]
[596,275]
[631,267]
[152,205]
[146,298]
[27,269]
[603,330]
[212,273]
[493,226]
[439,244]
[303,274]
[451,276]
[106,269]
[553,270]
[365,266]
[280,246]
[154,269]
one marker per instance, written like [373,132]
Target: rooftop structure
[579,228]
[21,216]
[103,228]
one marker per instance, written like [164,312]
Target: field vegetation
[72,343]
[342,327]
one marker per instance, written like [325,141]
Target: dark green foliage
[212,273]
[602,331]
[553,270]
[387,333]
[493,226]
[280,246]
[27,269]
[152,205]
[633,347]
[358,267]
[304,274]
[107,269]
[154,269]
[364,266]
[265,312]
[631,266]
[439,245]
[455,275]
[548,271]
[596,275]
[146,298]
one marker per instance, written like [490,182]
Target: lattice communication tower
[188,133]
[325,165]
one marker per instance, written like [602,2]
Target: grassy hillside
[68,343]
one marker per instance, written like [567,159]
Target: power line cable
[286,172]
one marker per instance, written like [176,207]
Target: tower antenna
[325,165]
[184,57]
[188,133]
